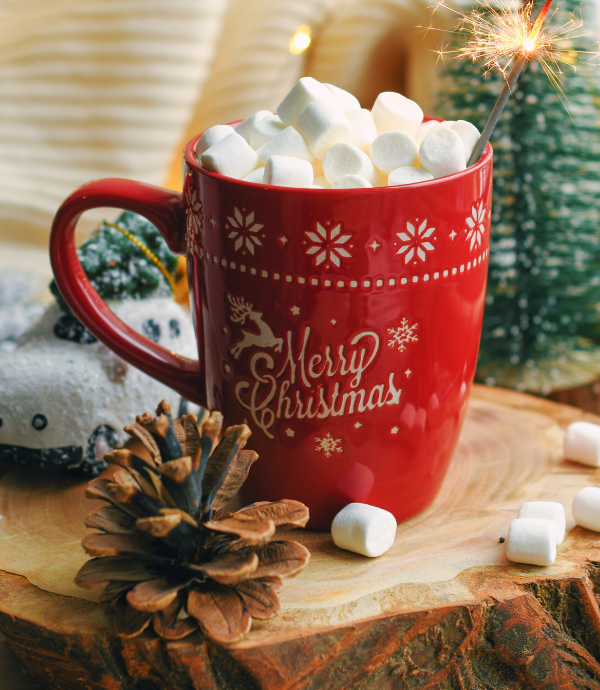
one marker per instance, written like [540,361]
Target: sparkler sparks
[496,36]
[504,39]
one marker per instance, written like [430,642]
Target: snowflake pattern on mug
[327,244]
[328,445]
[415,241]
[476,223]
[193,220]
[402,334]
[244,231]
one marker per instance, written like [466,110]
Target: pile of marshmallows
[532,537]
[321,138]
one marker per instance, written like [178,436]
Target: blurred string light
[300,40]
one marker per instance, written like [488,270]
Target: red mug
[342,326]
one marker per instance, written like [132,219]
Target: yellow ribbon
[155,260]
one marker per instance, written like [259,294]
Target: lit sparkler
[504,39]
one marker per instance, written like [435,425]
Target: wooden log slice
[443,609]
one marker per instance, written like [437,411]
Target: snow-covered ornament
[65,394]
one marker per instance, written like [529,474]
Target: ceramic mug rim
[190,159]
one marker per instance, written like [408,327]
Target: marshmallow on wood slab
[323,124]
[264,130]
[255,176]
[582,443]
[392,111]
[288,142]
[546,510]
[442,152]
[393,150]
[347,159]
[364,529]
[469,135]
[531,541]
[586,508]
[363,128]
[344,99]
[244,128]
[351,182]
[283,171]
[305,91]
[408,175]
[212,136]
[232,156]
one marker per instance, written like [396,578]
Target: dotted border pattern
[339,283]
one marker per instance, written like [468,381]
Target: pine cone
[168,553]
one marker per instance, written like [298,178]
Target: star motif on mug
[328,244]
[244,231]
[415,241]
[476,228]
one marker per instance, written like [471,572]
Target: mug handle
[163,208]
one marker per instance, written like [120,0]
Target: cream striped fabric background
[99,88]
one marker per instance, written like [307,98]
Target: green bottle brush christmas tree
[123,263]
[541,329]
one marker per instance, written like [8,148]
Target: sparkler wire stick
[509,85]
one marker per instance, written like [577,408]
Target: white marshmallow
[408,175]
[546,510]
[531,541]
[364,529]
[321,180]
[323,124]
[393,150]
[264,130]
[582,443]
[283,171]
[469,135]
[392,111]
[244,128]
[363,128]
[424,129]
[344,99]
[351,182]
[346,159]
[255,176]
[305,91]
[586,508]
[232,156]
[317,186]
[442,152]
[317,167]
[211,137]
[289,143]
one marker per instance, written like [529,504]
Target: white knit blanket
[114,88]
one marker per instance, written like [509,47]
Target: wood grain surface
[443,608]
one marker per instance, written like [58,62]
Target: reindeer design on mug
[241,310]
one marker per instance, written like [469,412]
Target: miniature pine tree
[118,268]
[541,328]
